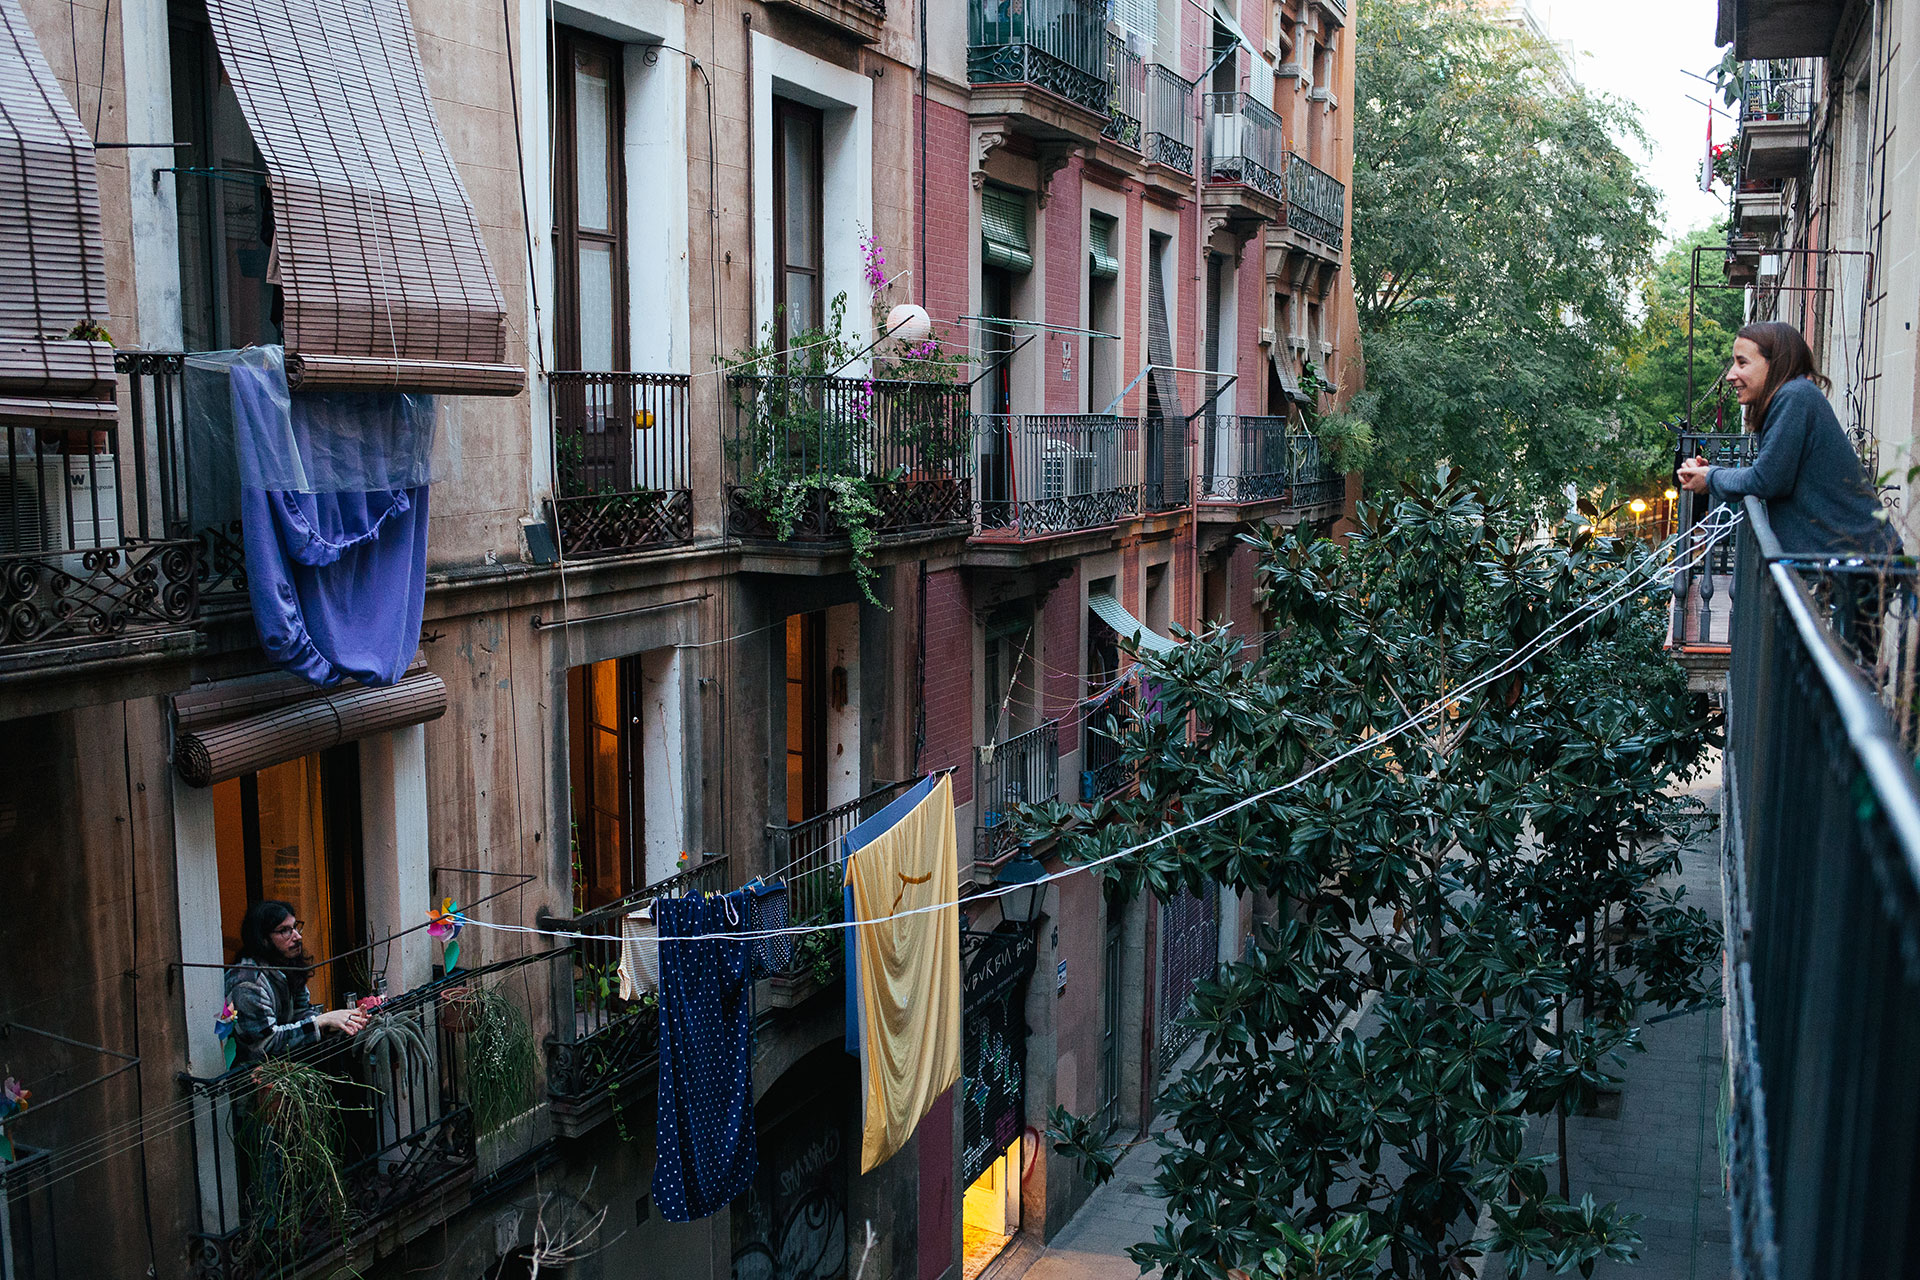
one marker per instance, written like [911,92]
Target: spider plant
[293,1137]
[501,1062]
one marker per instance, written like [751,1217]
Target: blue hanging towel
[706,1143]
[337,577]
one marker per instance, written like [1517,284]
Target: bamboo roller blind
[208,753]
[52,264]
[386,282]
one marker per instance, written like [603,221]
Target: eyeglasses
[290,927]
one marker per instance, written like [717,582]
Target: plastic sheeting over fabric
[331,492]
[908,966]
[707,1146]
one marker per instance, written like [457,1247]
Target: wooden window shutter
[52,263]
[385,279]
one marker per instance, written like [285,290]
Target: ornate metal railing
[620,470]
[1767,97]
[30,1237]
[1025,769]
[1169,136]
[1164,463]
[1316,202]
[1044,473]
[1244,458]
[1701,612]
[1822,872]
[1316,482]
[1103,767]
[806,854]
[1126,93]
[1243,144]
[95,524]
[603,1042]
[796,437]
[1056,45]
[406,1132]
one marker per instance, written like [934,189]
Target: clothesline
[1570,622]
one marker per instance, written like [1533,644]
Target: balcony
[1041,66]
[1822,869]
[29,1232]
[1163,466]
[1126,94]
[604,1047]
[799,441]
[1025,769]
[620,462]
[1244,164]
[1103,767]
[1253,461]
[864,20]
[406,1151]
[1701,612]
[1776,123]
[1779,28]
[96,537]
[1169,125]
[1316,204]
[1760,206]
[1044,474]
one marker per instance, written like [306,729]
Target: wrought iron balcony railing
[1256,459]
[1822,832]
[1169,136]
[1701,610]
[1056,45]
[1045,473]
[1164,463]
[795,437]
[96,533]
[620,462]
[806,854]
[603,1041]
[29,1234]
[1316,203]
[1243,145]
[1025,769]
[406,1132]
[1126,93]
[1770,97]
[1103,767]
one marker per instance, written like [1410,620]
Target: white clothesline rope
[1716,530]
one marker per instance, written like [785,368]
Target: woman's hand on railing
[1693,475]
[345,1021]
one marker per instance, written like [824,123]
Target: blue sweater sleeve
[1776,470]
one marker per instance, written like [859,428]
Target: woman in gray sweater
[1820,499]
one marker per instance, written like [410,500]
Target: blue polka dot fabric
[707,1149]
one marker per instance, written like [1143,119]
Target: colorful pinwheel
[13,1100]
[446,923]
[223,1028]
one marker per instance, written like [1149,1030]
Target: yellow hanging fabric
[908,970]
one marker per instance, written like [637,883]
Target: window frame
[786,112]
[568,234]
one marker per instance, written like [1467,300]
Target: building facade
[691,610]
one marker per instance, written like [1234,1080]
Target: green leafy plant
[397,1042]
[1346,438]
[501,1058]
[293,1137]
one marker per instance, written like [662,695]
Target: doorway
[990,1213]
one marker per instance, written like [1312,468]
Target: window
[797,219]
[292,832]
[589,216]
[220,196]
[1103,270]
[1225,57]
[608,808]
[1009,684]
[806,716]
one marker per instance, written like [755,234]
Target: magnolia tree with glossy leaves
[1467,916]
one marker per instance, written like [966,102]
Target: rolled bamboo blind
[52,263]
[384,277]
[208,753]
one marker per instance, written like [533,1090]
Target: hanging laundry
[639,953]
[331,492]
[705,1141]
[766,913]
[906,967]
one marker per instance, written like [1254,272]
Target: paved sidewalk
[1093,1245]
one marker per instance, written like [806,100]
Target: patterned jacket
[272,1017]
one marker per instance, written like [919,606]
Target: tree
[1657,387]
[1498,229]
[1468,918]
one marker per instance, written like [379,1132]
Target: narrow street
[1653,1148]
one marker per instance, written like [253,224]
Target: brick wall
[1061,655]
[943,291]
[1065,267]
[949,694]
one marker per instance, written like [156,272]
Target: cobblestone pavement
[1658,1153]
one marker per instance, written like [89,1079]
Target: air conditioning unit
[1066,472]
[58,502]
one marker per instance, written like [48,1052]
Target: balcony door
[799,269]
[589,207]
[605,736]
[806,716]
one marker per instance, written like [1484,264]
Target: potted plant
[501,1061]
[293,1138]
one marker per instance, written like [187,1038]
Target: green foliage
[292,1133]
[1075,1137]
[1347,440]
[1498,228]
[1657,391]
[396,1042]
[1438,977]
[1345,1251]
[501,1058]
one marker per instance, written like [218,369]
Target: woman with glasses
[267,989]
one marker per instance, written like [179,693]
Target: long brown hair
[1788,357]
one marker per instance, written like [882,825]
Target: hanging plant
[501,1059]
[293,1132]
[398,1042]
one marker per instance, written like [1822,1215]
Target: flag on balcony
[707,1146]
[903,970]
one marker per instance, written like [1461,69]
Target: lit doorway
[990,1213]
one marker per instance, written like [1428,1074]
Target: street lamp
[1023,879]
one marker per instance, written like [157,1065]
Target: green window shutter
[1003,230]
[1100,249]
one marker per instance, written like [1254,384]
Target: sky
[1636,50]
